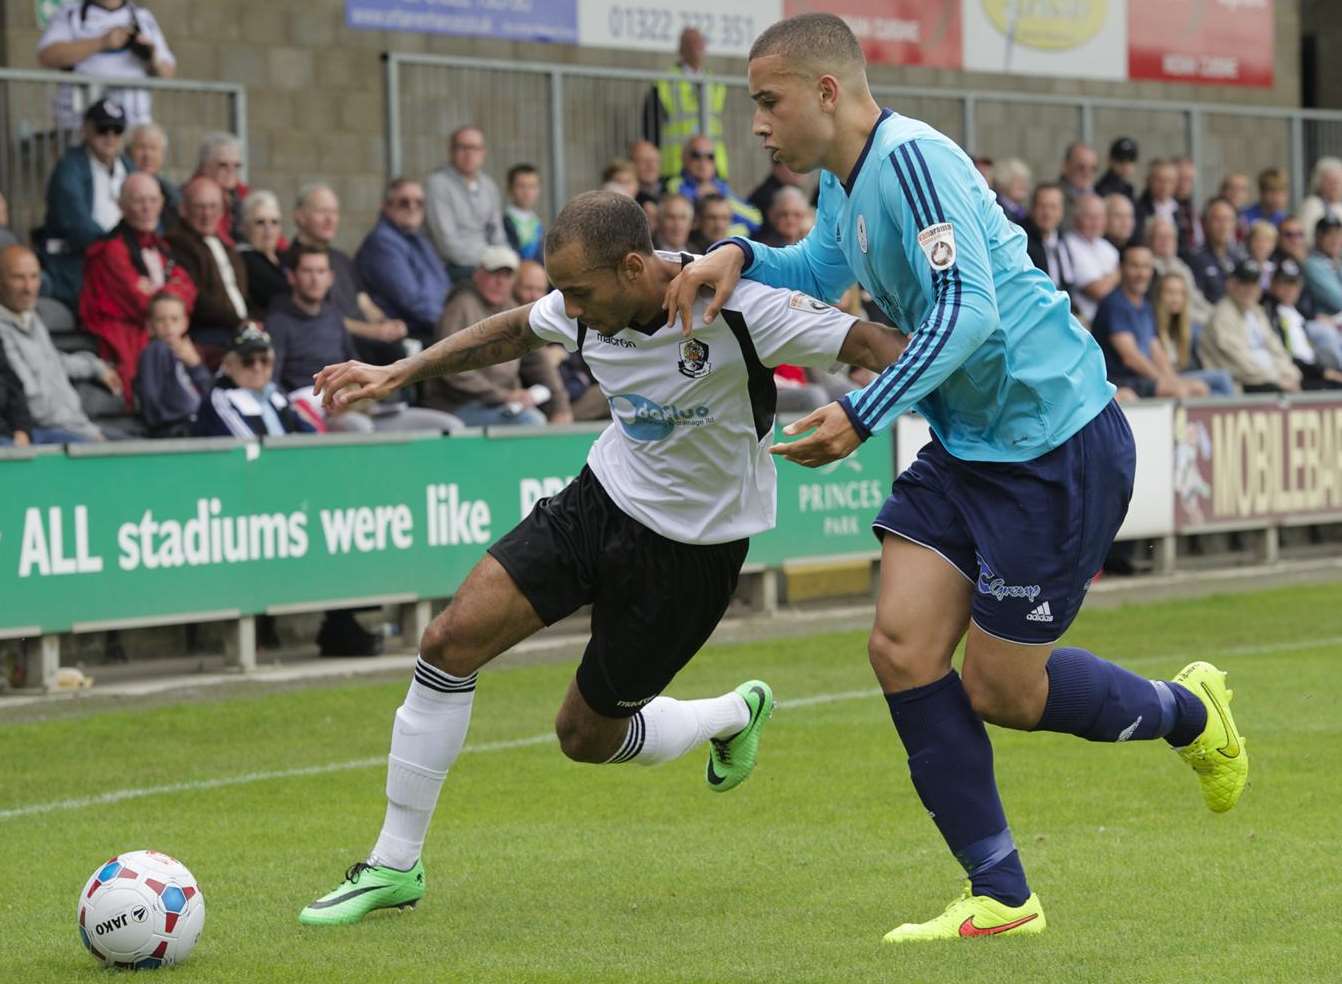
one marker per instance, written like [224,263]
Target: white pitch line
[247,778]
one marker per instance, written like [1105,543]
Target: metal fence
[34,139]
[570,120]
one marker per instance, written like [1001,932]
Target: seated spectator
[220,160]
[1323,267]
[1321,367]
[1046,246]
[1220,253]
[788,218]
[620,177]
[213,266]
[1235,189]
[113,39]
[1125,327]
[712,222]
[1162,237]
[244,400]
[1013,181]
[1185,183]
[124,270]
[493,396]
[1157,200]
[675,224]
[780,176]
[531,283]
[1079,166]
[1174,325]
[1122,169]
[1294,243]
[82,195]
[1326,184]
[398,265]
[147,147]
[16,423]
[699,179]
[1274,195]
[984,165]
[1094,259]
[1119,221]
[259,248]
[7,237]
[308,333]
[46,373]
[171,376]
[465,210]
[1240,340]
[647,161]
[1260,245]
[378,339]
[521,224]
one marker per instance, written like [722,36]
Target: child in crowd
[171,377]
[522,225]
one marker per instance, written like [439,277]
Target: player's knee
[442,644]
[892,659]
[577,742]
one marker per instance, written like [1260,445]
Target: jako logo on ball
[648,420]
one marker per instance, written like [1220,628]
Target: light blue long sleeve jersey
[996,362]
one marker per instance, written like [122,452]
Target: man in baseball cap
[1122,166]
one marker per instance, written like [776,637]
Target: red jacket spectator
[121,273]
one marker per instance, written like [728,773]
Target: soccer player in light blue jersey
[999,525]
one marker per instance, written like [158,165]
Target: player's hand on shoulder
[346,383]
[832,438]
[719,270]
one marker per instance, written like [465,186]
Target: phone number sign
[729,26]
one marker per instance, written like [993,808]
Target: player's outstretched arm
[499,338]
[872,346]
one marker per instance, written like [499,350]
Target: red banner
[896,32]
[1214,42]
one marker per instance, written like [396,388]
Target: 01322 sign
[729,27]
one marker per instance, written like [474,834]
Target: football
[141,910]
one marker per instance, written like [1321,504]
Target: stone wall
[316,95]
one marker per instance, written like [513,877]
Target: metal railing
[570,120]
[35,135]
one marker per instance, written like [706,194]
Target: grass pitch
[544,870]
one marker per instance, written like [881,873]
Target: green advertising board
[103,535]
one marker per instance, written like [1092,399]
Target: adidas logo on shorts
[1040,614]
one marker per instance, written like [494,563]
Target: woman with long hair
[1174,331]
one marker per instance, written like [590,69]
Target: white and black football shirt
[692,418]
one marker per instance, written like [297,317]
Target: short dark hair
[163,297]
[822,38]
[1218,200]
[706,200]
[396,184]
[1045,186]
[1129,246]
[517,170]
[300,249]
[606,225]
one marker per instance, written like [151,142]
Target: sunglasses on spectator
[1293,233]
[701,155]
[408,202]
[107,128]
[264,220]
[252,361]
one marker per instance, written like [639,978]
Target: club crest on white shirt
[938,244]
[862,232]
[806,303]
[693,361]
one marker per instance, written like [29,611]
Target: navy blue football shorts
[1030,535]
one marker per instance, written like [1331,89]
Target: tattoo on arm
[498,338]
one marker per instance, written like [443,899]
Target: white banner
[729,26]
[1079,38]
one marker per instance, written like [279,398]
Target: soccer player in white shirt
[671,493]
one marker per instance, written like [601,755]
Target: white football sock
[426,739]
[666,728]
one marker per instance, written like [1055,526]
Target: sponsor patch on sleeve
[938,244]
[805,302]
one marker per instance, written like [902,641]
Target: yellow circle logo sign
[1051,25]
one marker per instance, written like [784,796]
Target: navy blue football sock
[1100,701]
[951,764]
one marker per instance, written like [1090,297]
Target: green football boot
[364,889]
[731,760]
